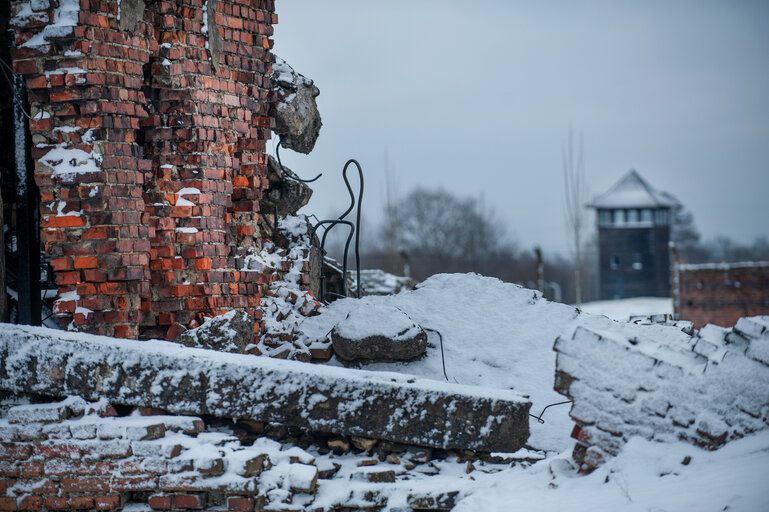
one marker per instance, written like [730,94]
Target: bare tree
[391,224]
[576,196]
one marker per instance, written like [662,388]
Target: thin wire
[17,101]
[539,418]
[287,175]
[443,359]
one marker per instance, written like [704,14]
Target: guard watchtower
[633,233]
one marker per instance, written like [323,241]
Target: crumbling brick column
[84,79]
[206,138]
[150,126]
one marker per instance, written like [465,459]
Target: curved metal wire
[354,229]
[539,418]
[333,223]
[287,175]
[443,359]
[357,219]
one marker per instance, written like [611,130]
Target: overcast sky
[478,97]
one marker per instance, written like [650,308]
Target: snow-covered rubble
[318,398]
[158,455]
[653,382]
[495,335]
[286,301]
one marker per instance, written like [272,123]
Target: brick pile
[149,126]
[288,299]
[660,383]
[75,455]
[721,293]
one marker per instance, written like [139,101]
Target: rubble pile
[145,459]
[664,383]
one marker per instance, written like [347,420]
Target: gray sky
[478,97]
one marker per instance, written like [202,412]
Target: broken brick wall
[76,455]
[722,293]
[149,128]
[663,382]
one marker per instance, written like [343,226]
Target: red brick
[64,221]
[8,504]
[125,331]
[203,263]
[110,502]
[15,451]
[56,503]
[160,502]
[57,451]
[32,469]
[195,501]
[240,504]
[31,503]
[85,484]
[86,262]
[95,233]
[81,502]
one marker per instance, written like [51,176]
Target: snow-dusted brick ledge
[659,383]
[182,380]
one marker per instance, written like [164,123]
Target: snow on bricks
[318,398]
[660,383]
[149,128]
[79,455]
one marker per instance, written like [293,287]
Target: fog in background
[478,98]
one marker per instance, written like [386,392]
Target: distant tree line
[431,231]
[692,249]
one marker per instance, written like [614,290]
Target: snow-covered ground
[622,309]
[499,335]
[645,476]
[495,335]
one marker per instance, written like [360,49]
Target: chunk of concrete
[297,119]
[342,401]
[378,332]
[230,332]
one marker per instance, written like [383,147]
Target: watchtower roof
[632,191]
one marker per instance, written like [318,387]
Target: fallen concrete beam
[320,398]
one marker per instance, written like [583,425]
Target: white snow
[69,70]
[65,18]
[722,266]
[204,28]
[632,191]
[622,309]
[371,319]
[495,335]
[67,161]
[645,476]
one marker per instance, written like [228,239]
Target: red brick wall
[721,294]
[156,111]
[73,455]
